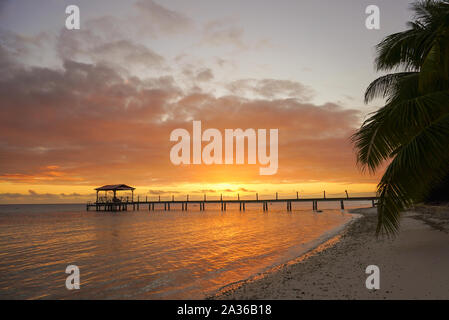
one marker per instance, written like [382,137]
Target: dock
[125,204]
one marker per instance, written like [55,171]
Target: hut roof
[112,187]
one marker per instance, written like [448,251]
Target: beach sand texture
[414,265]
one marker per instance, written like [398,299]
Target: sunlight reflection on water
[148,255]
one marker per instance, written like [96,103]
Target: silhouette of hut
[115,188]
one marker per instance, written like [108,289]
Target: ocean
[151,254]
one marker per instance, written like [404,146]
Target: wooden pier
[167,205]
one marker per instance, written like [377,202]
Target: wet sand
[413,265]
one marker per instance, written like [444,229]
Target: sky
[95,106]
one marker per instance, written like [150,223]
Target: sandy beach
[413,265]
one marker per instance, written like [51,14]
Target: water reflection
[149,255]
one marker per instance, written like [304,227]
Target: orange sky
[113,131]
[81,109]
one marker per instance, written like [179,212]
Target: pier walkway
[124,205]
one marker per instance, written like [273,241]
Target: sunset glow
[84,108]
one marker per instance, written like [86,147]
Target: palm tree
[410,132]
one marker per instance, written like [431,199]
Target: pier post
[257,196]
[240,207]
[168,206]
[342,205]
[276,195]
[243,206]
[138,202]
[265,206]
[224,206]
[185,206]
[324,194]
[297,195]
[165,206]
[347,196]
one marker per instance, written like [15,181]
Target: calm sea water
[149,255]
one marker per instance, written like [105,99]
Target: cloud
[228,32]
[223,32]
[24,49]
[127,51]
[154,16]
[246,190]
[35,197]
[271,88]
[87,123]
[121,54]
[231,35]
[204,75]
[162,192]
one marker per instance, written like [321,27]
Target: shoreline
[412,265]
[327,239]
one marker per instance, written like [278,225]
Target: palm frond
[408,49]
[385,86]
[395,123]
[403,50]
[415,167]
